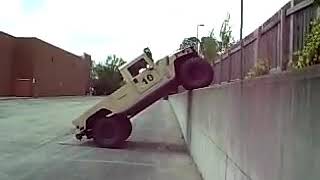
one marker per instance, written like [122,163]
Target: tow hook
[80,135]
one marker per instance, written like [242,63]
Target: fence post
[282,33]
[291,35]
[221,69]
[230,67]
[257,34]
[216,72]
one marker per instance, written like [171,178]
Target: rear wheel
[107,133]
[195,73]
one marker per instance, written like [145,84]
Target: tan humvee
[144,83]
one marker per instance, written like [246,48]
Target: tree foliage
[208,47]
[226,39]
[189,42]
[107,77]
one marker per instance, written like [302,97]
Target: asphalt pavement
[36,143]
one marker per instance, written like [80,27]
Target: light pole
[198,36]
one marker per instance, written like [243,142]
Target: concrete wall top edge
[287,76]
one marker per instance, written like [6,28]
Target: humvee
[108,122]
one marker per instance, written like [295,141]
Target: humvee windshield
[135,68]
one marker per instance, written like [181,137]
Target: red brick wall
[22,63]
[58,72]
[7,44]
[22,68]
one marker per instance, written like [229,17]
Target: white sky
[125,27]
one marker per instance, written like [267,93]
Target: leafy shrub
[311,50]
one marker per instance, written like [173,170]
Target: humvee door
[144,75]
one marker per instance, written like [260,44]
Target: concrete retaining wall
[262,129]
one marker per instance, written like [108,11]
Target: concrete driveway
[36,143]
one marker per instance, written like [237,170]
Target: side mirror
[147,51]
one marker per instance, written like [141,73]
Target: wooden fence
[275,41]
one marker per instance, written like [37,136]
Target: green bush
[311,50]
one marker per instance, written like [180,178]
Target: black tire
[126,128]
[195,73]
[107,133]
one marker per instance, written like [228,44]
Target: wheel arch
[100,113]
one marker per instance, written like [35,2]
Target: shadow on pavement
[136,146]
[155,146]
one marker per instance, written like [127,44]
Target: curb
[13,98]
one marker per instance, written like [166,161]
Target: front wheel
[195,73]
[107,133]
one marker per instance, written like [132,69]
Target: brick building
[32,67]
